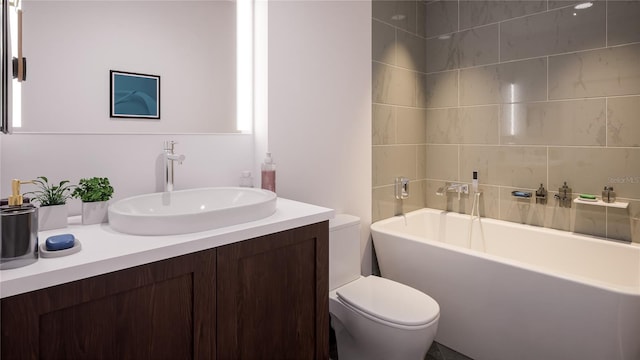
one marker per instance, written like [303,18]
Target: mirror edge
[5,51]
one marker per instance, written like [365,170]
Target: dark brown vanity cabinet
[273,296]
[264,298]
[162,310]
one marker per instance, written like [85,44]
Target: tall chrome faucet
[169,158]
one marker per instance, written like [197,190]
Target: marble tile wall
[400,92]
[526,93]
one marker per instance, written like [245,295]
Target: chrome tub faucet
[459,188]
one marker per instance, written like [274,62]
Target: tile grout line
[395,125]
[419,177]
[458,165]
[499,202]
[512,18]
[606,141]
[458,11]
[458,88]
[395,63]
[499,125]
[525,102]
[405,68]
[547,78]
[574,52]
[606,24]
[395,46]
[606,222]
[606,99]
[548,186]
[499,47]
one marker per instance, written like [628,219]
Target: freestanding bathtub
[517,292]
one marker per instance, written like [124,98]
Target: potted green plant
[52,201]
[94,192]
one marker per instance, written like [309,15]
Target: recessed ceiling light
[584,5]
[444,37]
[398,17]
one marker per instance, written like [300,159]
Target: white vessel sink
[187,211]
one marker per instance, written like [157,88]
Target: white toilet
[374,318]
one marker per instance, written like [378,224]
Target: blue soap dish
[44,253]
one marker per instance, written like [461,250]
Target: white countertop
[104,250]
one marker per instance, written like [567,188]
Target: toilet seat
[388,302]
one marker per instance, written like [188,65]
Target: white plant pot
[94,212]
[52,217]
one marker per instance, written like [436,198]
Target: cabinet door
[273,296]
[162,310]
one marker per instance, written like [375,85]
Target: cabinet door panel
[163,310]
[273,296]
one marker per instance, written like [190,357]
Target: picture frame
[134,95]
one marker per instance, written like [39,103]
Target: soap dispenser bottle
[608,195]
[269,174]
[19,229]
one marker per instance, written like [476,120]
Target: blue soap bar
[60,242]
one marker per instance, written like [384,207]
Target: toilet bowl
[374,318]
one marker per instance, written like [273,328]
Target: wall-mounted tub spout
[453,187]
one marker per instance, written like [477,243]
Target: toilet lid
[389,301]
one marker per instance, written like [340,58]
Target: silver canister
[612,195]
[608,195]
[19,229]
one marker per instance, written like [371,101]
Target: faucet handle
[169,144]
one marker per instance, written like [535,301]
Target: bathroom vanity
[254,290]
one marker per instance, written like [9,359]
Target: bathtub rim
[378,227]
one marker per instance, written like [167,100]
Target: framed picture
[134,95]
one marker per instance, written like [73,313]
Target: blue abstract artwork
[134,95]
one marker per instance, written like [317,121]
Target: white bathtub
[517,292]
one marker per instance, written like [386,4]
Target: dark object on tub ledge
[521,194]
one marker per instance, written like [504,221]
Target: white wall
[320,105]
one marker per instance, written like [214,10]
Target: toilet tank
[344,250]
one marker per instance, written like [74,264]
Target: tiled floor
[436,351]
[441,352]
